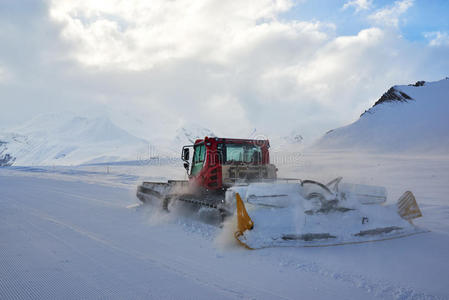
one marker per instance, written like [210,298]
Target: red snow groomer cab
[219,163]
[215,165]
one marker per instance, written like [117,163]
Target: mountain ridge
[69,139]
[406,118]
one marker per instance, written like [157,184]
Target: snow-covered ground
[74,232]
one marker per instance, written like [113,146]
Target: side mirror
[186,166]
[185,154]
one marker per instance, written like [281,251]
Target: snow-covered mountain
[410,118]
[6,159]
[413,118]
[286,143]
[64,139]
[294,137]
[191,132]
[170,146]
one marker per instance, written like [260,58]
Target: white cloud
[140,34]
[437,38]
[358,5]
[389,16]
[215,56]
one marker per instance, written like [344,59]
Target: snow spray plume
[225,239]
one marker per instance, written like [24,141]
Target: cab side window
[198,158]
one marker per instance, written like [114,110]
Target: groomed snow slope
[416,125]
[64,238]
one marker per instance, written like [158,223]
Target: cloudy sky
[231,66]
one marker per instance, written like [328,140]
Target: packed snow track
[64,239]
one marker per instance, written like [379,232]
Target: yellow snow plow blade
[408,209]
[309,214]
[244,222]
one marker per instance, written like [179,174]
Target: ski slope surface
[80,233]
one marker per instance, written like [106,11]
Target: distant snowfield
[74,232]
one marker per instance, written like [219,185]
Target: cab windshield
[242,153]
